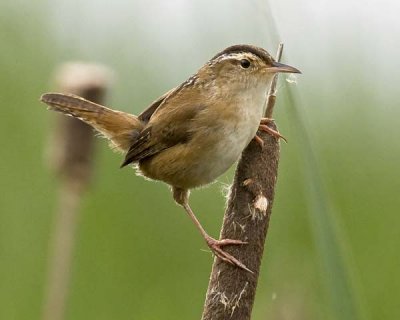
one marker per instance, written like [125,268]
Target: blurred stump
[71,149]
[70,155]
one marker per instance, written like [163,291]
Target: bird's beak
[280,67]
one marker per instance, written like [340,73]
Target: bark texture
[231,290]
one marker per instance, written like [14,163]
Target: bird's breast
[221,145]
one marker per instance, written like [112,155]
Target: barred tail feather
[119,127]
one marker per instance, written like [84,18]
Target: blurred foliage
[137,254]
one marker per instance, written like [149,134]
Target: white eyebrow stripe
[237,55]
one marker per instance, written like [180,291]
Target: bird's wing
[146,115]
[170,124]
[148,112]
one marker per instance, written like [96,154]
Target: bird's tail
[119,127]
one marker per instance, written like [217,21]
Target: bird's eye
[245,63]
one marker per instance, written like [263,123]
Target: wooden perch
[231,290]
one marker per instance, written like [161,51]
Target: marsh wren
[193,133]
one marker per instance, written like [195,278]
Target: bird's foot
[259,141]
[215,246]
[264,127]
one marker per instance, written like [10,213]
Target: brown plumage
[193,133]
[119,127]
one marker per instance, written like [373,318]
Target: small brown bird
[194,132]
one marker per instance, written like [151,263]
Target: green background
[333,246]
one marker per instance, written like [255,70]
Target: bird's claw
[259,141]
[215,246]
[263,127]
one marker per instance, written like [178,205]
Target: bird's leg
[264,127]
[181,196]
[216,245]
